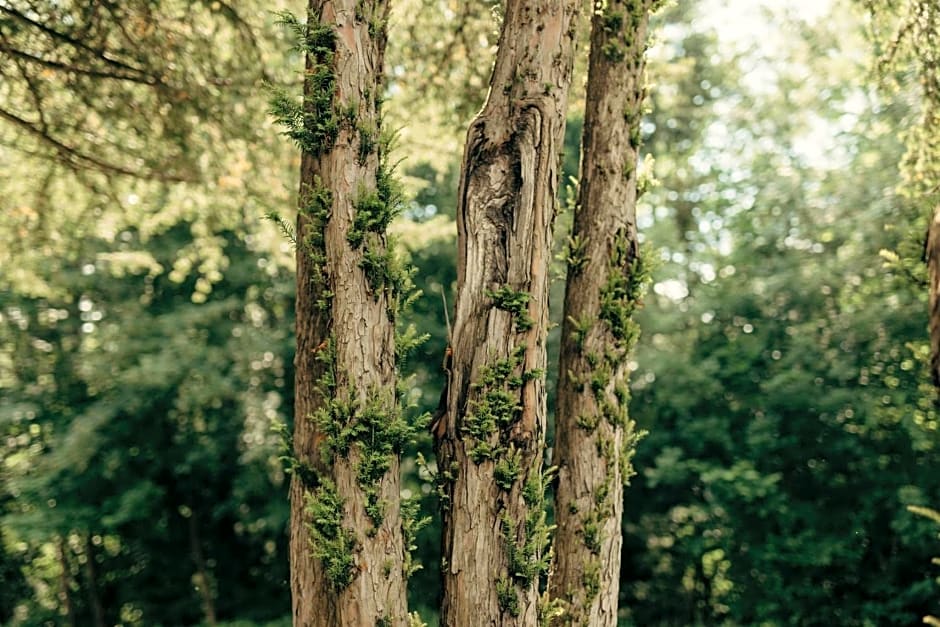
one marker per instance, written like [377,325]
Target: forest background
[146,323]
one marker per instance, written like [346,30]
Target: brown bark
[91,577]
[345,361]
[202,578]
[65,583]
[490,441]
[594,437]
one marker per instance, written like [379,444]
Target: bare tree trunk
[65,583]
[347,549]
[594,438]
[97,611]
[202,578]
[490,441]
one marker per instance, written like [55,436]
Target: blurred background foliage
[146,312]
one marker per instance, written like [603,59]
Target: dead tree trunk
[490,440]
[347,550]
[594,438]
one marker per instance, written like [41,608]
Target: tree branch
[78,159]
[65,67]
[60,36]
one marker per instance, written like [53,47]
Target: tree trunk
[490,441]
[932,254]
[65,583]
[594,438]
[202,578]
[91,577]
[347,549]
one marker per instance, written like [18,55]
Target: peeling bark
[345,332]
[490,441]
[594,438]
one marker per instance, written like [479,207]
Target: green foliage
[495,408]
[622,294]
[574,257]
[412,524]
[783,390]
[527,549]
[506,470]
[376,429]
[333,544]
[314,123]
[516,303]
[374,212]
[372,216]
[131,442]
[316,206]
[591,579]
[286,228]
[791,423]
[507,596]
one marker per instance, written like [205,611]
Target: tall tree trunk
[202,578]
[594,438]
[65,582]
[490,440]
[91,577]
[347,549]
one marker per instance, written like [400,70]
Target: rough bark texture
[594,438]
[347,548]
[490,440]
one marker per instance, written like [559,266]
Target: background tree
[910,29]
[122,449]
[138,460]
[800,410]
[906,37]
[770,137]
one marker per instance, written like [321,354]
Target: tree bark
[65,583]
[490,440]
[91,576]
[347,549]
[594,438]
[202,578]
